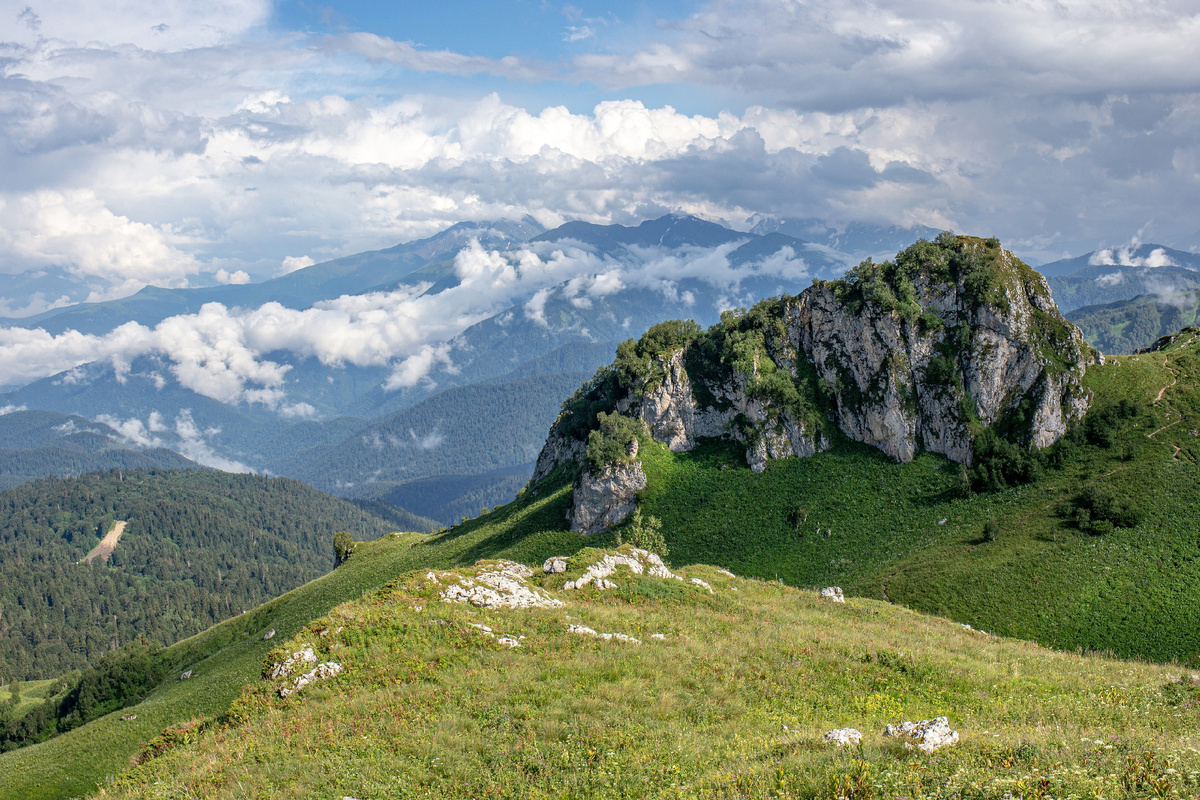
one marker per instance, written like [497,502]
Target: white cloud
[184,437]
[235,278]
[1111,279]
[10,409]
[292,263]
[49,228]
[1128,256]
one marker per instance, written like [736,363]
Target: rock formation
[954,338]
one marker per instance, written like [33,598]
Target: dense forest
[199,546]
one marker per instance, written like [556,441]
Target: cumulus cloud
[1131,256]
[230,355]
[153,142]
[292,263]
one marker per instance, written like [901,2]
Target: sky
[182,143]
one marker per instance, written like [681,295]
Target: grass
[29,694]
[731,703]
[849,517]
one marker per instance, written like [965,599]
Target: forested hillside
[37,444]
[198,547]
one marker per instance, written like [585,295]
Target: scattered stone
[659,636]
[128,717]
[269,634]
[583,630]
[186,675]
[702,584]
[639,562]
[928,735]
[726,573]
[507,641]
[942,521]
[282,669]
[843,737]
[833,593]
[501,586]
[429,576]
[554,565]
[326,669]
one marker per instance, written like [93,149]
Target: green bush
[343,546]
[609,443]
[991,530]
[998,464]
[644,532]
[1097,510]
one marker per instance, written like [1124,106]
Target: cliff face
[926,352]
[906,383]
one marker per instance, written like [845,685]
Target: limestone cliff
[954,337]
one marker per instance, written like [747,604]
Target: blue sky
[180,143]
[176,142]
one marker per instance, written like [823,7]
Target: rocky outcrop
[503,584]
[927,735]
[902,383]
[963,337]
[606,498]
[674,417]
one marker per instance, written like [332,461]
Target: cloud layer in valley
[230,354]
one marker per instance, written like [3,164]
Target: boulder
[554,565]
[843,737]
[833,594]
[928,735]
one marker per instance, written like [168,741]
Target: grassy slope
[872,526]
[230,654]
[732,703]
[867,523]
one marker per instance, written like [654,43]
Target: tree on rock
[343,546]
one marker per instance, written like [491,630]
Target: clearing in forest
[108,543]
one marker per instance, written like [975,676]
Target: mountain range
[307,375]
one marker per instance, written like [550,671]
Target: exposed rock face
[674,417]
[969,338]
[991,358]
[607,498]
[558,449]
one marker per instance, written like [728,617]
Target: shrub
[991,530]
[645,533]
[998,464]
[1098,511]
[609,443]
[343,546]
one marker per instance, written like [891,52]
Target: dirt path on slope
[108,543]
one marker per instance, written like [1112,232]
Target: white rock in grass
[844,737]
[928,735]
[639,562]
[282,669]
[833,593]
[583,630]
[326,669]
[702,584]
[501,586]
[554,565]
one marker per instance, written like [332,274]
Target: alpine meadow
[731,399]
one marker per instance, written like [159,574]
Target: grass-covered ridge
[731,701]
